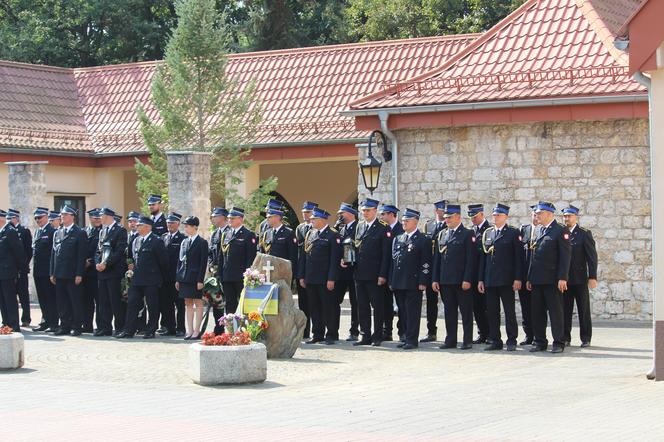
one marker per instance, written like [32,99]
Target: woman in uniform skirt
[190,275]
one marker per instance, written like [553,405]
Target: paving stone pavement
[98,389]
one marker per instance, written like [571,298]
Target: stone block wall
[602,167]
[189,186]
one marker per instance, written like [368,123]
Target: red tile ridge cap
[467,50]
[602,30]
[295,51]
[38,67]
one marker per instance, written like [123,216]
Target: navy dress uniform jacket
[69,253]
[159,225]
[501,261]
[321,262]
[150,263]
[551,255]
[239,254]
[12,254]
[192,269]
[411,261]
[25,236]
[373,254]
[583,265]
[281,244]
[173,250]
[116,261]
[455,256]
[42,245]
[347,232]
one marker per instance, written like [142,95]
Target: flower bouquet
[239,330]
[253,278]
[213,294]
[6,330]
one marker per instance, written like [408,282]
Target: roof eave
[506,104]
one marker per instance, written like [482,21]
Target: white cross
[268,268]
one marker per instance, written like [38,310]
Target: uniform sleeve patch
[389,234]
[520,238]
[472,238]
[294,240]
[566,235]
[253,240]
[338,241]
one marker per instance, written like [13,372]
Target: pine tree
[200,108]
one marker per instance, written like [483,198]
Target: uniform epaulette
[333,229]
[383,222]
[582,228]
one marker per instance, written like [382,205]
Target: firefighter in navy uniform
[172,324]
[158,218]
[389,215]
[277,239]
[410,275]
[265,225]
[150,265]
[90,285]
[300,233]
[111,264]
[500,276]
[431,229]
[547,278]
[42,244]
[219,218]
[528,234]
[480,224]
[12,260]
[238,246]
[582,275]
[345,283]
[67,270]
[373,244]
[318,270]
[25,236]
[454,268]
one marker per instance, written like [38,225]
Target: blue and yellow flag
[266,295]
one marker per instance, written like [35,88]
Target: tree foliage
[98,32]
[200,108]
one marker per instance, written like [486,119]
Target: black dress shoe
[87,330]
[179,333]
[76,333]
[167,333]
[527,341]
[388,338]
[557,349]
[329,342]
[511,347]
[25,324]
[314,341]
[465,346]
[480,340]
[148,336]
[362,342]
[409,346]
[491,347]
[567,343]
[102,333]
[585,344]
[376,343]
[446,346]
[401,345]
[61,332]
[40,328]
[351,338]
[428,338]
[124,335]
[161,330]
[402,338]
[536,348]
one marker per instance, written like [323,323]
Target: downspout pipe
[646,82]
[383,116]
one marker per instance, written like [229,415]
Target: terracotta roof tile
[546,48]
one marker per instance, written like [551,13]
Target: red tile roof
[39,109]
[546,48]
[300,91]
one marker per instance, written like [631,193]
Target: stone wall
[602,167]
[189,186]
